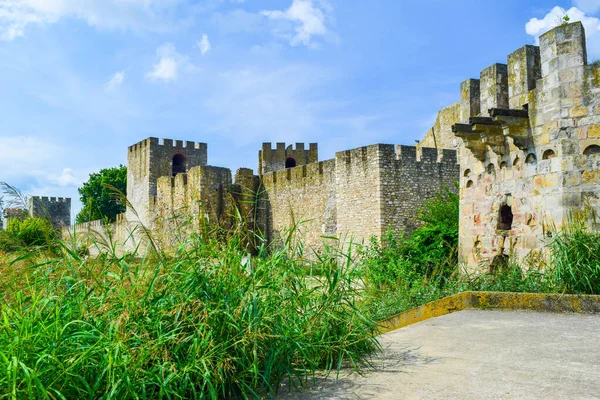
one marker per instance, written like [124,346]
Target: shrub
[428,253]
[28,232]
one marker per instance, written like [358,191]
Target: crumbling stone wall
[120,237]
[529,158]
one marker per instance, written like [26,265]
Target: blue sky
[82,80]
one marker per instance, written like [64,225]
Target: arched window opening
[548,154]
[491,169]
[503,165]
[531,158]
[593,149]
[467,173]
[178,166]
[469,184]
[290,162]
[516,162]
[505,218]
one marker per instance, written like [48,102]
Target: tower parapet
[55,209]
[152,158]
[282,157]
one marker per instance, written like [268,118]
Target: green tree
[98,195]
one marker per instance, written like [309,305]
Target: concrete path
[479,355]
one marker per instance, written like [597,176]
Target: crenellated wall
[358,195]
[305,197]
[410,176]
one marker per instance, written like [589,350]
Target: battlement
[49,200]
[281,157]
[56,209]
[179,144]
[377,154]
[268,146]
[300,174]
[412,155]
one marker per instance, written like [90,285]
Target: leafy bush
[428,253]
[27,232]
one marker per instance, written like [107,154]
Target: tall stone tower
[150,159]
[530,159]
[285,157]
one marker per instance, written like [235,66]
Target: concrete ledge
[494,301]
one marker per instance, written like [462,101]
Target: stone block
[589,177]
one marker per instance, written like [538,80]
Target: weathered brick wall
[56,209]
[304,197]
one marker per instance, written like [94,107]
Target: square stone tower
[57,210]
[282,157]
[150,159]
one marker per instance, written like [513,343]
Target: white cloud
[306,21]
[204,44]
[165,70]
[536,27]
[17,15]
[169,64]
[116,80]
[66,178]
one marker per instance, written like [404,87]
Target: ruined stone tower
[150,159]
[528,136]
[282,157]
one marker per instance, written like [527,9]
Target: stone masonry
[355,196]
[528,138]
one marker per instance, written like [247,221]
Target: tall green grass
[206,322]
[575,261]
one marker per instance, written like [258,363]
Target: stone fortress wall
[528,138]
[358,194]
